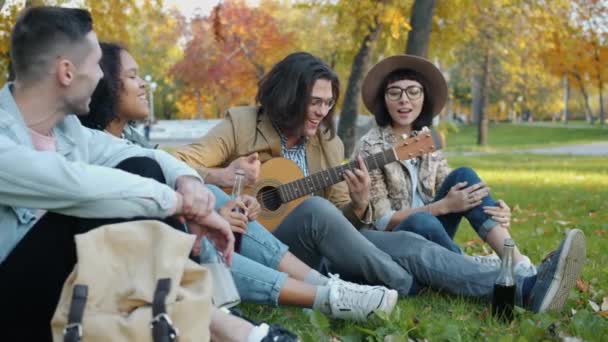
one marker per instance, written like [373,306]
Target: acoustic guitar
[282,185]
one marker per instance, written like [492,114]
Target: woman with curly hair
[120,98]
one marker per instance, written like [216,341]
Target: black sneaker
[558,274]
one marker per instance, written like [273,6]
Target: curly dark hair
[381,114]
[284,92]
[104,100]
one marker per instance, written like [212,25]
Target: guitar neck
[325,178]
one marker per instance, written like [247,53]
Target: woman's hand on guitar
[249,164]
[253,206]
[235,212]
[359,184]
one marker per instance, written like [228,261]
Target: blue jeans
[254,269]
[441,229]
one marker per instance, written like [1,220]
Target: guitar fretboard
[320,180]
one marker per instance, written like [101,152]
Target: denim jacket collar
[65,144]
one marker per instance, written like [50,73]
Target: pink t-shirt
[42,143]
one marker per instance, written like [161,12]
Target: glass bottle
[237,192]
[503,297]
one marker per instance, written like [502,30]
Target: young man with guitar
[294,120]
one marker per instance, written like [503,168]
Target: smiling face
[321,102]
[133,102]
[404,100]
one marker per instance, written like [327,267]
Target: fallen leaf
[600,232]
[603,313]
[594,306]
[473,242]
[605,304]
[582,285]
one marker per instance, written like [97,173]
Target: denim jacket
[77,179]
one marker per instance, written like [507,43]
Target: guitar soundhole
[269,198]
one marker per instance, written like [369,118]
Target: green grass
[548,195]
[507,137]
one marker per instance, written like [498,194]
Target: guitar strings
[274,193]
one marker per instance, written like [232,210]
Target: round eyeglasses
[412,92]
[319,102]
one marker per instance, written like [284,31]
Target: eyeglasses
[319,102]
[412,92]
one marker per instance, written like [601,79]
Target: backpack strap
[162,326]
[73,329]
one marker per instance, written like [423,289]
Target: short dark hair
[284,92]
[104,101]
[40,33]
[381,114]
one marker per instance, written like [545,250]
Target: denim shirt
[78,179]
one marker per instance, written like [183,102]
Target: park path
[590,149]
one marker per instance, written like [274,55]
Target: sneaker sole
[569,267]
[391,301]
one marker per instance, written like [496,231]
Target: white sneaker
[491,260]
[358,302]
[524,268]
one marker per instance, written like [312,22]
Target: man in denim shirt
[58,179]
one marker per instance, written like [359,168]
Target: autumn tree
[228,52]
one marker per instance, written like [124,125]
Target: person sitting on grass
[264,270]
[423,195]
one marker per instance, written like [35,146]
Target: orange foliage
[229,51]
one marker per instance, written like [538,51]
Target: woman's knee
[422,223]
[467,174]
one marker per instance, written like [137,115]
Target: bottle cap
[509,242]
[239,172]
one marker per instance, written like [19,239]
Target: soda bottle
[503,297]
[237,191]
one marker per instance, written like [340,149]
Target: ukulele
[282,186]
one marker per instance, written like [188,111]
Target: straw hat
[438,88]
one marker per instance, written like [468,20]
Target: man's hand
[249,164]
[237,220]
[461,198]
[500,213]
[215,228]
[253,207]
[196,200]
[359,185]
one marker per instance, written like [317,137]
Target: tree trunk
[566,98]
[421,22]
[199,105]
[2,4]
[476,103]
[350,107]
[588,113]
[600,87]
[482,127]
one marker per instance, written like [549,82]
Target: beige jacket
[391,185]
[244,131]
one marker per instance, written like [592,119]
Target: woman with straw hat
[424,195]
